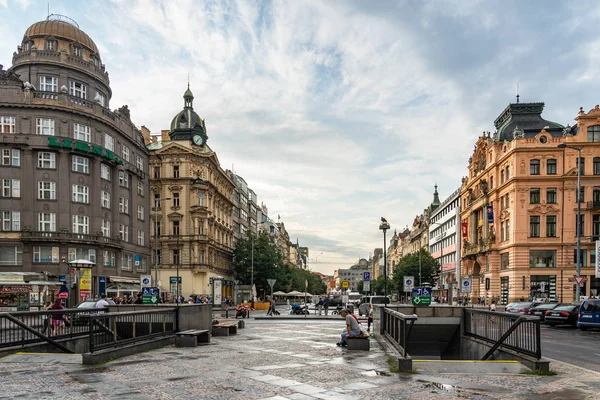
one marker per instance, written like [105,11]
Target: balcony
[593,205]
[472,249]
[69,237]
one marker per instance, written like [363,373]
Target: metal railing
[117,329]
[43,236]
[29,327]
[511,331]
[395,327]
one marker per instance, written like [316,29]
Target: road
[572,346]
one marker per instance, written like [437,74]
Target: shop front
[120,286]
[26,291]
[542,288]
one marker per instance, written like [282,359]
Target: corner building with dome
[74,174]
[192,210]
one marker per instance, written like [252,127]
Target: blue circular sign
[408,282]
[145,281]
[466,283]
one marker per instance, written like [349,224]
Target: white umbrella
[295,293]
[279,294]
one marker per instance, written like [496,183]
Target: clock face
[198,140]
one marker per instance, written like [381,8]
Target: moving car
[521,307]
[540,311]
[563,314]
[589,314]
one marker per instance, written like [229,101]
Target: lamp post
[384,226]
[156,205]
[578,224]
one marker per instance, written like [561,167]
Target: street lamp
[157,201]
[384,226]
[578,224]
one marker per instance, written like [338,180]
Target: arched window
[593,133]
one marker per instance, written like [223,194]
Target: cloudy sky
[338,112]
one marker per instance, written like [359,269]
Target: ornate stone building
[519,205]
[193,208]
[74,174]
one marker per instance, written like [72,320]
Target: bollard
[226,310]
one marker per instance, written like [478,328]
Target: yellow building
[192,213]
[519,207]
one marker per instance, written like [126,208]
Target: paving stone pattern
[275,360]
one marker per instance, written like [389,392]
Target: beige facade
[526,249]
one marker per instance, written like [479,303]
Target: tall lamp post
[156,224]
[578,224]
[384,226]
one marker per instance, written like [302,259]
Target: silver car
[521,308]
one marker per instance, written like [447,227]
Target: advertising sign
[490,214]
[85,284]
[464,229]
[218,287]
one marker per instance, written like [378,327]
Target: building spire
[518,93]
[436,199]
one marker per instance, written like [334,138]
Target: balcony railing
[593,205]
[41,236]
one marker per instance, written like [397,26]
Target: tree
[409,266]
[377,286]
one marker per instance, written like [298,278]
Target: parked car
[589,314]
[540,311]
[522,307]
[375,300]
[563,314]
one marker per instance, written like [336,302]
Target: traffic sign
[366,286]
[150,295]
[580,280]
[63,295]
[465,285]
[409,283]
[421,300]
[366,276]
[145,280]
[345,284]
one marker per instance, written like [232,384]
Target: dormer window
[26,46]
[51,44]
[77,51]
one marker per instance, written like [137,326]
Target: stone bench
[191,338]
[225,329]
[360,342]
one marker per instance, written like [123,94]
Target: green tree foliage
[378,285]
[268,264]
[409,266]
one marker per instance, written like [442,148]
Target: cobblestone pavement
[275,360]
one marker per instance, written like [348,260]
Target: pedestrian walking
[370,317]
[326,304]
[58,320]
[320,305]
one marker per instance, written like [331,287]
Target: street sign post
[345,284]
[145,281]
[366,276]
[466,286]
[409,283]
[271,283]
[150,295]
[421,296]
[580,280]
[366,286]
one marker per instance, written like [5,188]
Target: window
[140,188]
[7,124]
[534,226]
[534,167]
[108,258]
[596,227]
[502,237]
[551,225]
[140,212]
[156,200]
[77,89]
[142,265]
[81,224]
[123,205]
[176,171]
[48,84]
[534,195]
[44,126]
[157,257]
[11,157]
[502,176]
[124,178]
[542,258]
[105,199]
[139,162]
[80,194]
[507,173]
[125,153]
[582,260]
[201,199]
[491,182]
[551,195]
[140,238]
[42,254]
[551,167]
[126,262]
[51,44]
[82,132]
[47,190]
[77,51]
[156,172]
[10,255]
[175,225]
[581,165]
[504,261]
[596,165]
[81,254]
[105,228]
[47,222]
[175,199]
[80,164]
[46,160]
[175,257]
[105,172]
[581,225]
[109,142]
[581,197]
[124,232]
[596,196]
[11,221]
[593,133]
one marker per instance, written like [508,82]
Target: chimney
[146,135]
[165,135]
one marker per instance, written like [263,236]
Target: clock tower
[187,125]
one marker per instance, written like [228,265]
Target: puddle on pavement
[376,373]
[454,386]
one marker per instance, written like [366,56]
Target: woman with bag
[58,319]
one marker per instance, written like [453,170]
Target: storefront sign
[85,284]
[84,147]
[15,288]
